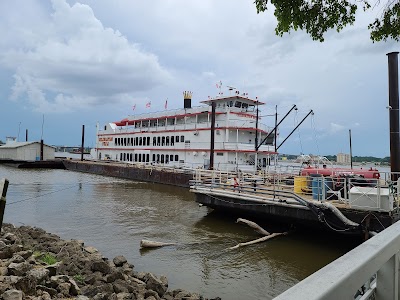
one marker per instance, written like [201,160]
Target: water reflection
[114,215]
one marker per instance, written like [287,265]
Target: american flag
[148,104]
[134,107]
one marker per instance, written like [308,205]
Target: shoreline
[38,265]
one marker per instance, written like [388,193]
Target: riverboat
[182,137]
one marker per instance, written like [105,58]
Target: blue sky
[78,63]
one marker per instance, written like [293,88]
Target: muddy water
[113,215]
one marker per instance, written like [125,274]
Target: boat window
[105,127]
[230,103]
[245,105]
[238,104]
[176,157]
[154,141]
[147,157]
[171,157]
[158,141]
[120,156]
[172,140]
[140,158]
[167,141]
[140,141]
[158,158]
[143,157]
[177,139]
[132,141]
[137,141]
[115,141]
[220,154]
[136,157]
[154,157]
[148,141]
[162,158]
[166,158]
[182,138]
[163,141]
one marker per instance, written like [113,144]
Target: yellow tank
[300,184]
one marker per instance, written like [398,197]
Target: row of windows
[145,141]
[142,157]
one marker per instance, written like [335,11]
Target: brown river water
[113,215]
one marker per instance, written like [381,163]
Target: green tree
[316,17]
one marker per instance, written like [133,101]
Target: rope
[315,134]
[38,196]
[296,121]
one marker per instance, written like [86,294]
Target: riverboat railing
[370,271]
[367,194]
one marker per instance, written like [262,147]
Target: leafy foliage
[316,17]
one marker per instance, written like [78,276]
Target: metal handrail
[370,271]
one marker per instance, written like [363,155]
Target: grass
[47,258]
[79,278]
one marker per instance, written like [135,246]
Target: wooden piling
[3,188]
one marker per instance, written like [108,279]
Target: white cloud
[335,128]
[80,63]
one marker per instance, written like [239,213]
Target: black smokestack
[187,99]
[393,67]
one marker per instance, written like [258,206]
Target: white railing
[370,271]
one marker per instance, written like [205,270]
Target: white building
[27,151]
[343,158]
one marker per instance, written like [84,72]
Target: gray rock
[53,269]
[82,298]
[63,288]
[100,266]
[150,294]
[10,238]
[25,254]
[45,296]
[74,289]
[26,284]
[19,269]
[39,274]
[46,289]
[2,245]
[114,276]
[119,260]
[153,283]
[12,295]
[91,250]
[17,259]
[124,296]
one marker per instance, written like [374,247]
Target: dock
[33,164]
[347,205]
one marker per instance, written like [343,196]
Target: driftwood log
[260,230]
[152,244]
[256,227]
[264,238]
[253,225]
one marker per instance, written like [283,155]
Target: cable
[315,134]
[38,196]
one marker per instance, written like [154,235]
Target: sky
[64,64]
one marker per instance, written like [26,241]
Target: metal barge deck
[347,205]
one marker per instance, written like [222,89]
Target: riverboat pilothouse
[182,137]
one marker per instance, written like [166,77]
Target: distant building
[26,151]
[343,158]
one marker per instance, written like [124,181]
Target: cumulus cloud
[80,63]
[335,128]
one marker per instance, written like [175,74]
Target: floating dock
[344,205]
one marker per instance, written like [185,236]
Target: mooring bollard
[3,190]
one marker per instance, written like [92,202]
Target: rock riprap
[38,265]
